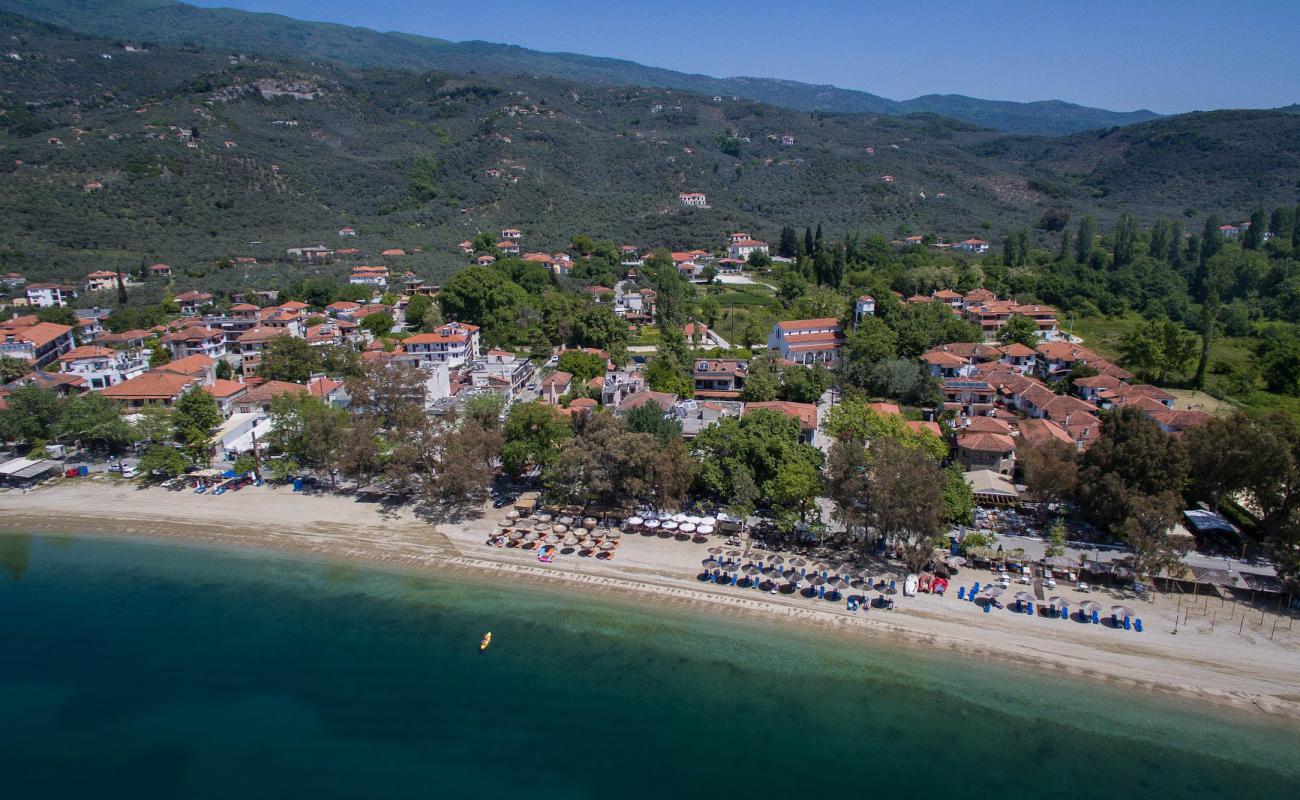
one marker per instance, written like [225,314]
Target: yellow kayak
[487,640]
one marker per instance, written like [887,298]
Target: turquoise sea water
[141,669]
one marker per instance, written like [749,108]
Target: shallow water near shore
[148,669]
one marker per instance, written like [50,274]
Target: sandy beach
[1210,658]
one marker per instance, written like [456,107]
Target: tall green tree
[1084,239]
[1125,240]
[1217,277]
[194,417]
[1019,329]
[534,433]
[1254,235]
[1131,484]
[95,421]
[31,415]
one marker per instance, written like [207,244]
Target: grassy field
[1231,358]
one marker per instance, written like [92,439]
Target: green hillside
[165,21]
[406,159]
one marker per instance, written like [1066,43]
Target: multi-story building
[251,345]
[192,302]
[41,343]
[45,295]
[102,367]
[720,379]
[196,340]
[454,344]
[807,341]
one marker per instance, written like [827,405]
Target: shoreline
[1208,668]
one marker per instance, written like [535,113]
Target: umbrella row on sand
[792,571]
[677,522]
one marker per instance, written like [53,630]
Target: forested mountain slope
[166,21]
[201,155]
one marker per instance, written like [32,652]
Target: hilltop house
[192,301]
[105,280]
[741,250]
[693,199]
[45,295]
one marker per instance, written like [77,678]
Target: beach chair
[1137,625]
[961,593]
[1029,609]
[1127,624]
[1096,618]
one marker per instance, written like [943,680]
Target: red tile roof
[806,413]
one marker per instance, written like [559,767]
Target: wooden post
[1242,625]
[1214,618]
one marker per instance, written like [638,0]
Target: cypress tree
[1125,240]
[1064,255]
[1159,240]
[1175,252]
[121,289]
[1087,233]
[818,242]
[1255,233]
[809,247]
[1282,222]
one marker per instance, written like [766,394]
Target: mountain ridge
[115,155]
[278,35]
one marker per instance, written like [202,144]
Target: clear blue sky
[1165,55]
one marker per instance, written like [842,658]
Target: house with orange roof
[163,271]
[972,245]
[105,280]
[924,426]
[720,378]
[40,343]
[45,295]
[1019,357]
[807,341]
[226,393]
[101,367]
[153,388]
[943,364]
[251,343]
[195,340]
[257,400]
[329,390]
[948,297]
[665,401]
[452,345]
[512,233]
[393,252]
[741,250]
[1037,432]
[192,302]
[369,276]
[61,383]
[199,367]
[693,199]
[555,386]
[986,450]
[969,396]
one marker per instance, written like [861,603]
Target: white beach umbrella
[704,529]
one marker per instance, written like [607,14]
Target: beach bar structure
[526,503]
[992,488]
[23,473]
